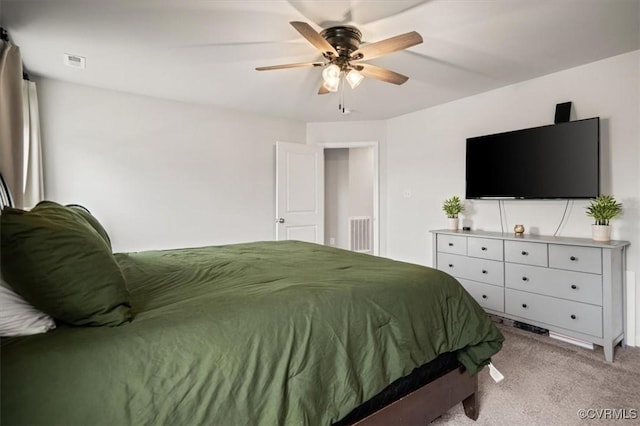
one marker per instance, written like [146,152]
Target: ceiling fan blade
[314,38]
[382,74]
[384,47]
[285,66]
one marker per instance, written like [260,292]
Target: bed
[256,333]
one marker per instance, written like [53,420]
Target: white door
[299,192]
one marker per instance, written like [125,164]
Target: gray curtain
[11,121]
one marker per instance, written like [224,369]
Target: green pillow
[59,263]
[86,214]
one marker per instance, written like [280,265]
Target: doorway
[351,196]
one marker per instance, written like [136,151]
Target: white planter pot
[453,223]
[601,232]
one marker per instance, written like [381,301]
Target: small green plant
[603,209]
[452,207]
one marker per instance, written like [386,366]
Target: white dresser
[573,286]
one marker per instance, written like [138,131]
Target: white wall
[161,174]
[425,153]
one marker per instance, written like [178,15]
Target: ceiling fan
[340,46]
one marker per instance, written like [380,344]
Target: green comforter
[247,334]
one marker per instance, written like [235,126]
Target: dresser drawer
[583,259]
[525,252]
[455,244]
[486,271]
[562,313]
[578,286]
[488,296]
[485,248]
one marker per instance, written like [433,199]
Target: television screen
[557,161]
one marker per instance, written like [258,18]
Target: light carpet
[547,382]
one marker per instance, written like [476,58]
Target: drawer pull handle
[573,316]
[524,253]
[484,249]
[484,296]
[450,244]
[574,287]
[525,279]
[524,305]
[573,258]
[451,265]
[484,271]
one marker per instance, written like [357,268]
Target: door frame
[376,182]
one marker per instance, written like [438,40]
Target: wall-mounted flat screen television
[559,161]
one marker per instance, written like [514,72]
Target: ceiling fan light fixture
[354,78]
[331,73]
[332,85]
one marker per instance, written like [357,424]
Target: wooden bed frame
[429,402]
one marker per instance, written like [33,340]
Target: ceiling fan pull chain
[341,104]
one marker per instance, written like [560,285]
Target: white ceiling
[205,51]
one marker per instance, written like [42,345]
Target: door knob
[281,220]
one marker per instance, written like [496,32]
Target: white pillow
[18,317]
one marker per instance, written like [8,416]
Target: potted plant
[603,209]
[452,207]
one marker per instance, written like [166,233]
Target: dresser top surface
[535,238]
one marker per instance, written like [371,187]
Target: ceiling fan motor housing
[345,39]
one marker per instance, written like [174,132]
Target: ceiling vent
[74,61]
